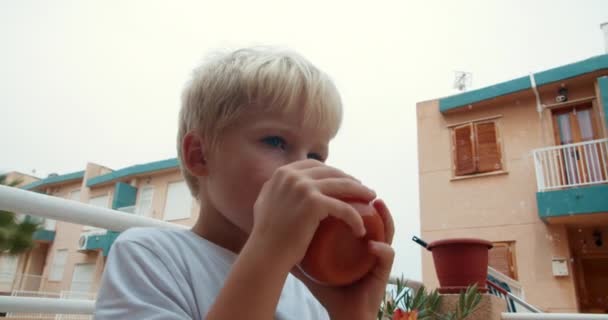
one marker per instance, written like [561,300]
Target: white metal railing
[76,295]
[27,282]
[516,288]
[32,294]
[17,200]
[509,289]
[571,165]
[553,316]
[65,295]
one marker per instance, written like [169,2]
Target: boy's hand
[292,203]
[362,299]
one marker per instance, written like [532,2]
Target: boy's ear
[194,157]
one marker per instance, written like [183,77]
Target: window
[101,201]
[75,195]
[144,201]
[50,224]
[502,258]
[476,148]
[179,201]
[82,281]
[59,260]
[8,268]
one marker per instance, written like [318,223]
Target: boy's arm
[253,285]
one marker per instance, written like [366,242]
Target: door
[580,163]
[595,284]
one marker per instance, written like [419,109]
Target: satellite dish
[462,80]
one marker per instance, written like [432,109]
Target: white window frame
[75,195]
[106,205]
[58,266]
[172,210]
[138,207]
[77,283]
[8,268]
[50,224]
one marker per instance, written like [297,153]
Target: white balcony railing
[42,305]
[27,282]
[572,165]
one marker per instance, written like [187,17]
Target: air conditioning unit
[85,238]
[82,242]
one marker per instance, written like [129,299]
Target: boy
[254,130]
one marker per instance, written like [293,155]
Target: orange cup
[335,256]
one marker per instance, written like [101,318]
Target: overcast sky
[99,81]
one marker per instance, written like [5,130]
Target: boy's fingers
[387,218]
[305,164]
[324,172]
[343,188]
[386,256]
[345,212]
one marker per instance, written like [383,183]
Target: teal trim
[603,85]
[110,238]
[132,171]
[102,242]
[593,64]
[582,200]
[53,180]
[124,195]
[44,235]
[501,89]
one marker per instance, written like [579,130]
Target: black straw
[420,242]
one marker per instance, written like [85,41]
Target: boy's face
[248,154]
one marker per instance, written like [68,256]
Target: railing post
[538,168]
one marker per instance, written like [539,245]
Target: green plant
[467,304]
[15,237]
[422,304]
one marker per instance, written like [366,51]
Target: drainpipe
[539,106]
[539,110]
[604,27]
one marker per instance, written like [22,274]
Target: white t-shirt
[175,274]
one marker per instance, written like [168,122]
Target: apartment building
[69,259]
[524,164]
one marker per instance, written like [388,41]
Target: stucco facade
[501,206]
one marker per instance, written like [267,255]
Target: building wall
[66,237]
[18,176]
[500,207]
[161,181]
[68,234]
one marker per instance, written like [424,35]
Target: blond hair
[272,78]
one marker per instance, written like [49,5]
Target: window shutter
[500,258]
[464,161]
[488,150]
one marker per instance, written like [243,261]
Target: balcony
[572,180]
[572,165]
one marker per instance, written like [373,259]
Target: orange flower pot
[460,263]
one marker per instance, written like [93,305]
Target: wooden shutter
[464,155]
[501,258]
[487,147]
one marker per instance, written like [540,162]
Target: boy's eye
[275,141]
